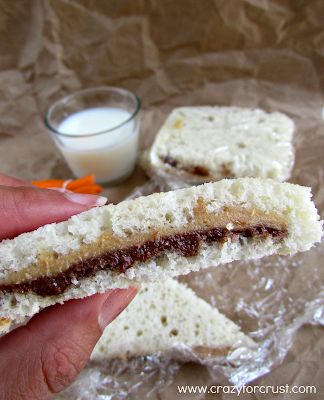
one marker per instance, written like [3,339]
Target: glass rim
[92,90]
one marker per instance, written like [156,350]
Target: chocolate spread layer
[120,260]
[194,169]
[170,161]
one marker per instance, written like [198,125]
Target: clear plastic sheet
[270,299]
[266,54]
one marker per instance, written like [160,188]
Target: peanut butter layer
[4,323]
[119,253]
[120,260]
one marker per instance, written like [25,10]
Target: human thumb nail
[115,303]
[90,200]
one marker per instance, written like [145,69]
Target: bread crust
[232,205]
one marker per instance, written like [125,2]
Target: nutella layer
[192,169]
[151,239]
[55,273]
[120,260]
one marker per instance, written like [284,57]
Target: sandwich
[209,143]
[164,317]
[152,238]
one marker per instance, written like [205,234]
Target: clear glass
[97,132]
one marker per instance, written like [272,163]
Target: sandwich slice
[153,238]
[209,143]
[162,318]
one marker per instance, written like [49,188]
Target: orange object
[84,181]
[45,183]
[86,184]
[93,189]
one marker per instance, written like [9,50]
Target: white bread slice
[209,143]
[250,217]
[163,317]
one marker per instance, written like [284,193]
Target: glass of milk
[97,132]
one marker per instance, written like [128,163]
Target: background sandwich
[209,143]
[164,317]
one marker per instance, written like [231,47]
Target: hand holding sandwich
[42,358]
[150,238]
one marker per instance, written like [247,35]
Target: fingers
[26,208]
[42,358]
[6,180]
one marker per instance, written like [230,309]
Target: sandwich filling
[54,273]
[198,170]
[192,169]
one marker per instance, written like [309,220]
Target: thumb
[42,358]
[26,208]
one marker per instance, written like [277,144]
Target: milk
[99,141]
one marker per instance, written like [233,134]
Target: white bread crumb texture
[176,209]
[17,307]
[231,141]
[164,315]
[291,201]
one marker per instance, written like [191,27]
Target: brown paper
[254,53]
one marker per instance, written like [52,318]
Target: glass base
[117,181]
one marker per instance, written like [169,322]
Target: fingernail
[86,199]
[115,303]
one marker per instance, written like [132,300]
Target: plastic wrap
[249,53]
[270,299]
[212,143]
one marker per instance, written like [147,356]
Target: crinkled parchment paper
[253,53]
